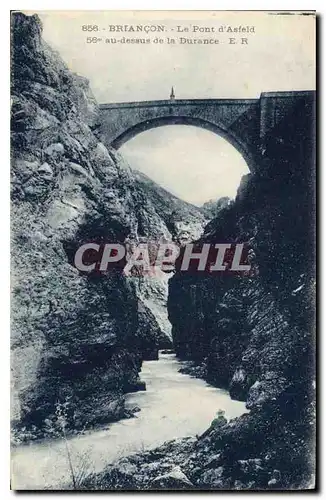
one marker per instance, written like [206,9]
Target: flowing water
[174,405]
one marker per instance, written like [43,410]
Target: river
[174,405]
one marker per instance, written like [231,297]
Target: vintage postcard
[163,250]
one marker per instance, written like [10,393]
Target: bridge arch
[245,123]
[140,127]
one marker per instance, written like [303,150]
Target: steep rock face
[183,219]
[161,218]
[212,208]
[72,341]
[182,222]
[153,293]
[233,313]
[77,340]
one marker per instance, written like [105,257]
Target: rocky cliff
[77,340]
[243,326]
[183,222]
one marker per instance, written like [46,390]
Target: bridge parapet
[176,102]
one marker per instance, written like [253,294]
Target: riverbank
[174,406]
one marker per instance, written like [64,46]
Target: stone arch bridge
[245,123]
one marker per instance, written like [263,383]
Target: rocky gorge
[78,341]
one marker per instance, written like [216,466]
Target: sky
[279,55]
[212,169]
